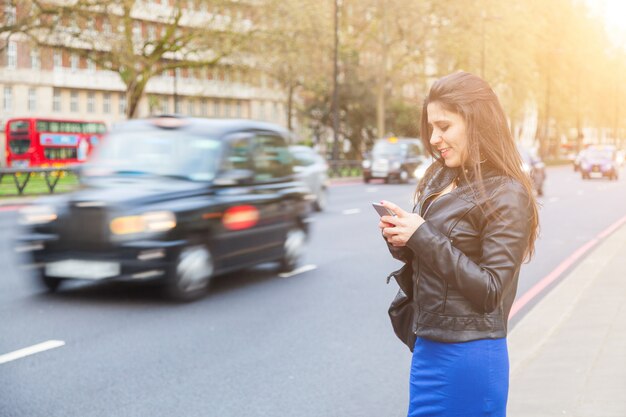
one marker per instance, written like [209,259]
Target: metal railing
[22,176]
[49,178]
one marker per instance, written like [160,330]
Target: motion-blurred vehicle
[420,171]
[599,161]
[178,200]
[534,167]
[312,169]
[393,159]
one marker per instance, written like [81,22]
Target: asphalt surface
[313,344]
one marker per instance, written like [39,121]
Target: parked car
[534,167]
[393,159]
[178,200]
[312,169]
[600,161]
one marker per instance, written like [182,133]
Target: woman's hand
[399,228]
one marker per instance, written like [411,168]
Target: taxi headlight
[366,164]
[37,214]
[155,221]
[396,165]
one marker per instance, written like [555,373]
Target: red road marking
[11,208]
[562,267]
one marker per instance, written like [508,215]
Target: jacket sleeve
[401,253]
[504,238]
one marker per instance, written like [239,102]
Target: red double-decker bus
[43,142]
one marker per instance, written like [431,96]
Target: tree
[118,37]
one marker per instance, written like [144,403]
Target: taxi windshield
[387,149]
[599,154]
[168,153]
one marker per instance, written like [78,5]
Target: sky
[614,13]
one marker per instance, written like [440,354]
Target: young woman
[474,223]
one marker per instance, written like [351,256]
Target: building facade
[53,83]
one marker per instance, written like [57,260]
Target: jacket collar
[443,176]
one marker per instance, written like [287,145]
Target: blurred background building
[54,81]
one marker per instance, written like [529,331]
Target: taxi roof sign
[169,122]
[392,139]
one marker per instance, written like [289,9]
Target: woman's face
[449,137]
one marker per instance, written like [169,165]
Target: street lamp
[335,103]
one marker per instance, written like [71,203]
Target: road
[314,344]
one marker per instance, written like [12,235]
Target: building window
[7,102]
[91,66]
[122,108]
[35,59]
[74,101]
[152,33]
[238,109]
[91,102]
[56,100]
[57,60]
[32,99]
[106,27]
[10,13]
[12,55]
[216,108]
[106,103]
[204,111]
[190,107]
[165,105]
[137,30]
[227,109]
[74,62]
[276,114]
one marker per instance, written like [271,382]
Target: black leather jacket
[466,259]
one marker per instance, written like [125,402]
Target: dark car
[393,159]
[311,168]
[178,200]
[534,167]
[599,162]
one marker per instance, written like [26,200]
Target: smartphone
[382,210]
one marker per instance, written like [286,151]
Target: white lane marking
[31,350]
[351,211]
[297,271]
[371,190]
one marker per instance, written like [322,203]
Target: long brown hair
[488,135]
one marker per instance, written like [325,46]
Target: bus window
[93,128]
[18,126]
[59,153]
[19,146]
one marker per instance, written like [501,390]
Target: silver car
[312,169]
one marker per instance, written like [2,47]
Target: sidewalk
[568,355]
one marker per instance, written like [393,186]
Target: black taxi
[393,159]
[174,199]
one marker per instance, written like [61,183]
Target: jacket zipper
[417,281]
[427,197]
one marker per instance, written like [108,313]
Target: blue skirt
[468,379]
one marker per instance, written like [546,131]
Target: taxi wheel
[192,273]
[322,200]
[51,284]
[293,249]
